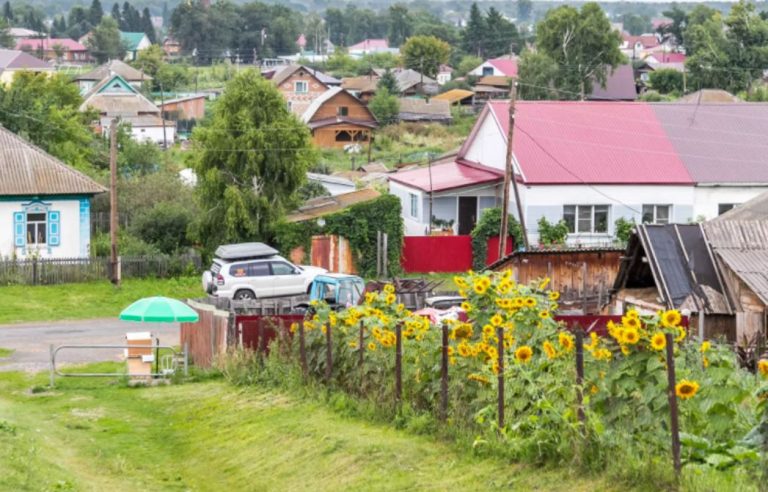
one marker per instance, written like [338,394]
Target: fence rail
[49,271]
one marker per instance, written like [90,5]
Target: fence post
[328,354]
[674,425]
[500,361]
[444,375]
[580,375]
[34,270]
[398,363]
[186,358]
[53,365]
[302,351]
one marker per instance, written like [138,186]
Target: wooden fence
[48,271]
[208,336]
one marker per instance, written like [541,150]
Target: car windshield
[350,291]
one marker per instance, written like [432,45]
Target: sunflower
[704,362]
[353,345]
[479,288]
[658,341]
[594,341]
[593,389]
[524,353]
[376,332]
[463,330]
[625,350]
[504,287]
[565,340]
[372,347]
[466,306]
[492,352]
[389,289]
[686,389]
[544,314]
[495,367]
[671,318]
[632,313]
[631,323]
[529,302]
[549,349]
[681,334]
[554,295]
[460,282]
[762,366]
[464,349]
[497,319]
[544,282]
[518,302]
[603,354]
[294,327]
[488,330]
[705,346]
[479,378]
[630,336]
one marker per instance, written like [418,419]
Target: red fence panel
[424,254]
[259,339]
[493,249]
[597,322]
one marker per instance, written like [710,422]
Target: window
[260,269]
[586,218]
[487,71]
[343,111]
[280,268]
[301,86]
[414,204]
[656,214]
[343,136]
[724,207]
[37,224]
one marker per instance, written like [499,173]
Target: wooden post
[444,375]
[113,224]
[398,363]
[580,375]
[673,424]
[378,254]
[500,336]
[328,354]
[509,178]
[385,254]
[360,342]
[303,351]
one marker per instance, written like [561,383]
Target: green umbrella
[159,310]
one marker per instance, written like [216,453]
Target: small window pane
[569,217]
[724,207]
[601,218]
[585,219]
[238,270]
[260,269]
[41,233]
[35,217]
[343,111]
[647,214]
[280,268]
[414,205]
[662,214]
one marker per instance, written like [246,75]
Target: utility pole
[113,223]
[509,178]
[162,116]
[429,165]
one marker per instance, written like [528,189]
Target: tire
[244,295]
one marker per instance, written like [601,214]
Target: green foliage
[388,82]
[127,243]
[636,24]
[624,229]
[501,36]
[488,226]
[105,43]
[425,54]
[474,33]
[150,60]
[400,24]
[551,234]
[385,107]
[253,156]
[136,158]
[312,189]
[524,9]
[6,40]
[164,226]
[536,73]
[666,80]
[359,224]
[757,93]
[467,64]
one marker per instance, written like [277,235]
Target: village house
[134,42]
[337,119]
[131,75]
[371,46]
[171,47]
[444,74]
[417,110]
[191,107]
[114,97]
[363,87]
[301,85]
[500,67]
[592,163]
[55,49]
[44,204]
[15,61]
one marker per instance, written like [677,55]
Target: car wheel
[244,295]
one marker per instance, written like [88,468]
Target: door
[286,279]
[467,214]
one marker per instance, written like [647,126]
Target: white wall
[413,226]
[707,198]
[489,146]
[479,70]
[154,133]
[75,229]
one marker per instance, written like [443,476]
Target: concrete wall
[706,199]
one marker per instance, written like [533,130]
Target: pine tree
[147,27]
[8,11]
[117,15]
[166,16]
[388,82]
[474,32]
[95,13]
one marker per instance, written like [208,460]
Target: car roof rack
[244,251]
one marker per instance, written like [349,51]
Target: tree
[666,80]
[524,9]
[150,60]
[536,74]
[501,36]
[582,44]
[95,13]
[8,11]
[166,15]
[147,27]
[385,107]
[400,26]
[636,24]
[474,33]
[467,64]
[6,40]
[116,14]
[253,157]
[425,54]
[105,42]
[78,22]
[388,82]
[675,28]
[171,76]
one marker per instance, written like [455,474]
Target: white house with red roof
[591,163]
[504,66]
[370,46]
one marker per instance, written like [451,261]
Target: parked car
[255,271]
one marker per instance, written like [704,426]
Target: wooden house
[301,85]
[337,118]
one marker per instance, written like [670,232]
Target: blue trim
[85,227]
[38,198]
[54,236]
[19,228]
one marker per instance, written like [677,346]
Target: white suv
[255,271]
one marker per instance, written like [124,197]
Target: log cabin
[337,118]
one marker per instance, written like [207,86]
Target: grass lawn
[4,352]
[101,435]
[22,303]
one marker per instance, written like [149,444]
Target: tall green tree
[501,36]
[425,54]
[676,28]
[105,42]
[400,25]
[116,14]
[95,13]
[524,10]
[78,23]
[385,107]
[388,82]
[536,75]
[582,44]
[8,11]
[474,33]
[253,156]
[147,27]
[636,24]
[6,40]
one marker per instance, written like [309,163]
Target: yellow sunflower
[544,314]
[464,349]
[625,350]
[686,389]
[372,347]
[549,350]
[389,289]
[530,302]
[488,330]
[658,341]
[554,295]
[632,313]
[681,334]
[762,366]
[466,306]
[479,288]
[478,378]
[565,340]
[671,318]
[631,323]
[630,336]
[390,299]
[524,353]
[704,362]
[460,282]
[497,320]
[705,346]
[463,330]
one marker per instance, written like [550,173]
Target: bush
[127,244]
[164,226]
[488,226]
[624,229]
[666,80]
[550,234]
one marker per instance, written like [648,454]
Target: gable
[116,85]
[486,145]
[356,110]
[314,84]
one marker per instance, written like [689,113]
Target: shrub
[550,234]
[624,229]
[488,226]
[164,226]
[666,80]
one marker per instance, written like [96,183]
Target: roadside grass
[22,303]
[5,352]
[91,434]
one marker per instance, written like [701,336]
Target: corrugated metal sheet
[28,170]
[121,104]
[317,207]
[115,67]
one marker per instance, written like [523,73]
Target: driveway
[31,341]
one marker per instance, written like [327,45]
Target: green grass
[4,352]
[100,435]
[86,300]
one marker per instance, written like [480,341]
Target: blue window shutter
[54,229]
[19,229]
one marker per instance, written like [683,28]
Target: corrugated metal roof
[115,67]
[619,86]
[319,207]
[507,66]
[754,209]
[454,95]
[283,74]
[28,170]
[446,177]
[18,60]
[432,107]
[120,104]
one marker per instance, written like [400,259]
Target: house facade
[337,119]
[44,204]
[134,42]
[88,80]
[301,85]
[56,49]
[590,164]
[15,61]
[502,67]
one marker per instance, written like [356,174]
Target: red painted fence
[446,254]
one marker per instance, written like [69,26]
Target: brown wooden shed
[337,118]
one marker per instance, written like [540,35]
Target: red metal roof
[505,65]
[370,44]
[558,142]
[48,44]
[669,57]
[447,176]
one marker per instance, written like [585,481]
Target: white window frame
[591,230]
[655,213]
[30,241]
[414,205]
[302,83]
